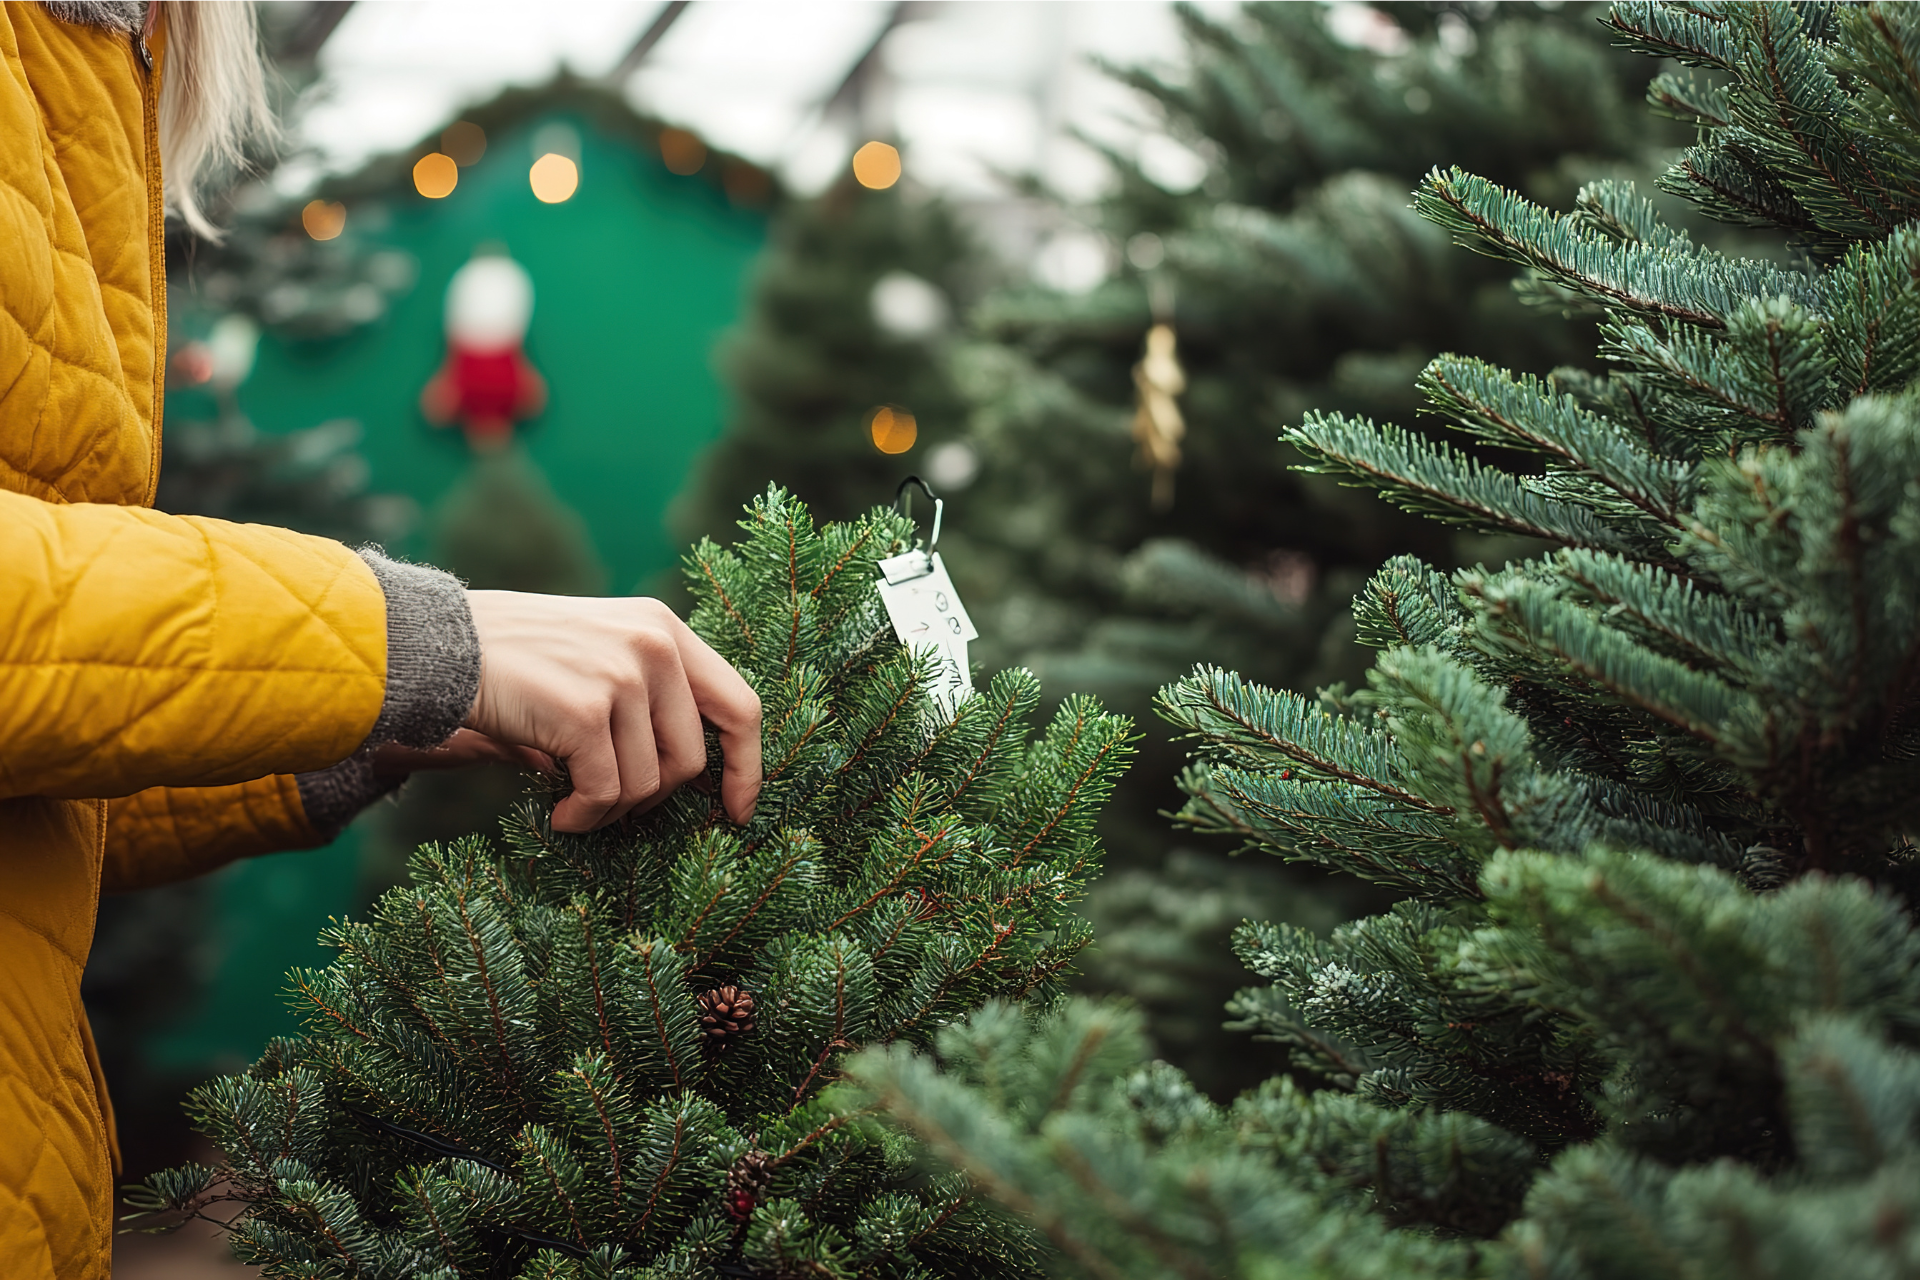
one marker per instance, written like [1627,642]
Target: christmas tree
[1291,276]
[1651,1004]
[851,308]
[603,1055]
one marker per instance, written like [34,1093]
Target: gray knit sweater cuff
[433,653]
[334,797]
[433,674]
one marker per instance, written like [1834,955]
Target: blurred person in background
[178,692]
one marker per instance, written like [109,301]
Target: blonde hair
[213,98]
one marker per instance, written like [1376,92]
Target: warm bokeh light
[465,141]
[324,219]
[554,178]
[876,165]
[436,175]
[893,430]
[681,151]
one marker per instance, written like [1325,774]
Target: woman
[179,692]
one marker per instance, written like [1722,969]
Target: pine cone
[747,1182]
[725,1012]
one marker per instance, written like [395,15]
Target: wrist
[433,654]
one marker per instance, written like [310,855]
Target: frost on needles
[1649,1006]
[602,1056]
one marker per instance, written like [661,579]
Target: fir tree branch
[1517,412]
[552,1175]
[781,873]
[668,1167]
[719,594]
[1066,806]
[601,1023]
[962,1157]
[995,735]
[1220,708]
[911,864]
[850,555]
[1700,288]
[1701,704]
[1813,127]
[1685,98]
[657,1006]
[303,984]
[508,1067]
[1436,480]
[1695,34]
[1730,181]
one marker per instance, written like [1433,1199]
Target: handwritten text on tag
[926,613]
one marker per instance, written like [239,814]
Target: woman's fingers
[595,770]
[730,705]
[677,735]
[637,752]
[618,689]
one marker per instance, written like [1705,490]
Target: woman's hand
[617,688]
[392,763]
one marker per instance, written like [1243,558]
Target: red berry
[740,1204]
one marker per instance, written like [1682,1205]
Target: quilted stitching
[186,665]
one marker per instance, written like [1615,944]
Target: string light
[876,165]
[681,151]
[465,141]
[324,219]
[893,430]
[435,175]
[553,178]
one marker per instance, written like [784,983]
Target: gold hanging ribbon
[1158,426]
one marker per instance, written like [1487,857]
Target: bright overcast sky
[980,86]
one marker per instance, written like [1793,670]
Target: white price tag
[924,606]
[927,614]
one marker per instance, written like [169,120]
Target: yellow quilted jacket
[160,677]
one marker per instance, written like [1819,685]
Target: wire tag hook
[903,503]
[924,607]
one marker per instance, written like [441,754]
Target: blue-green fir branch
[1407,603]
[1699,288]
[1536,617]
[1520,413]
[1435,479]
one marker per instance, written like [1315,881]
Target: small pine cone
[725,1012]
[747,1182]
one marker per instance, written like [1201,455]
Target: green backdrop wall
[635,277]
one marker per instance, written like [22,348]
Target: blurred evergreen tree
[856,296]
[1293,274]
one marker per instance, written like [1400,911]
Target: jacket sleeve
[165,834]
[142,650]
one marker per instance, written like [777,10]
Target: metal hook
[903,503]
